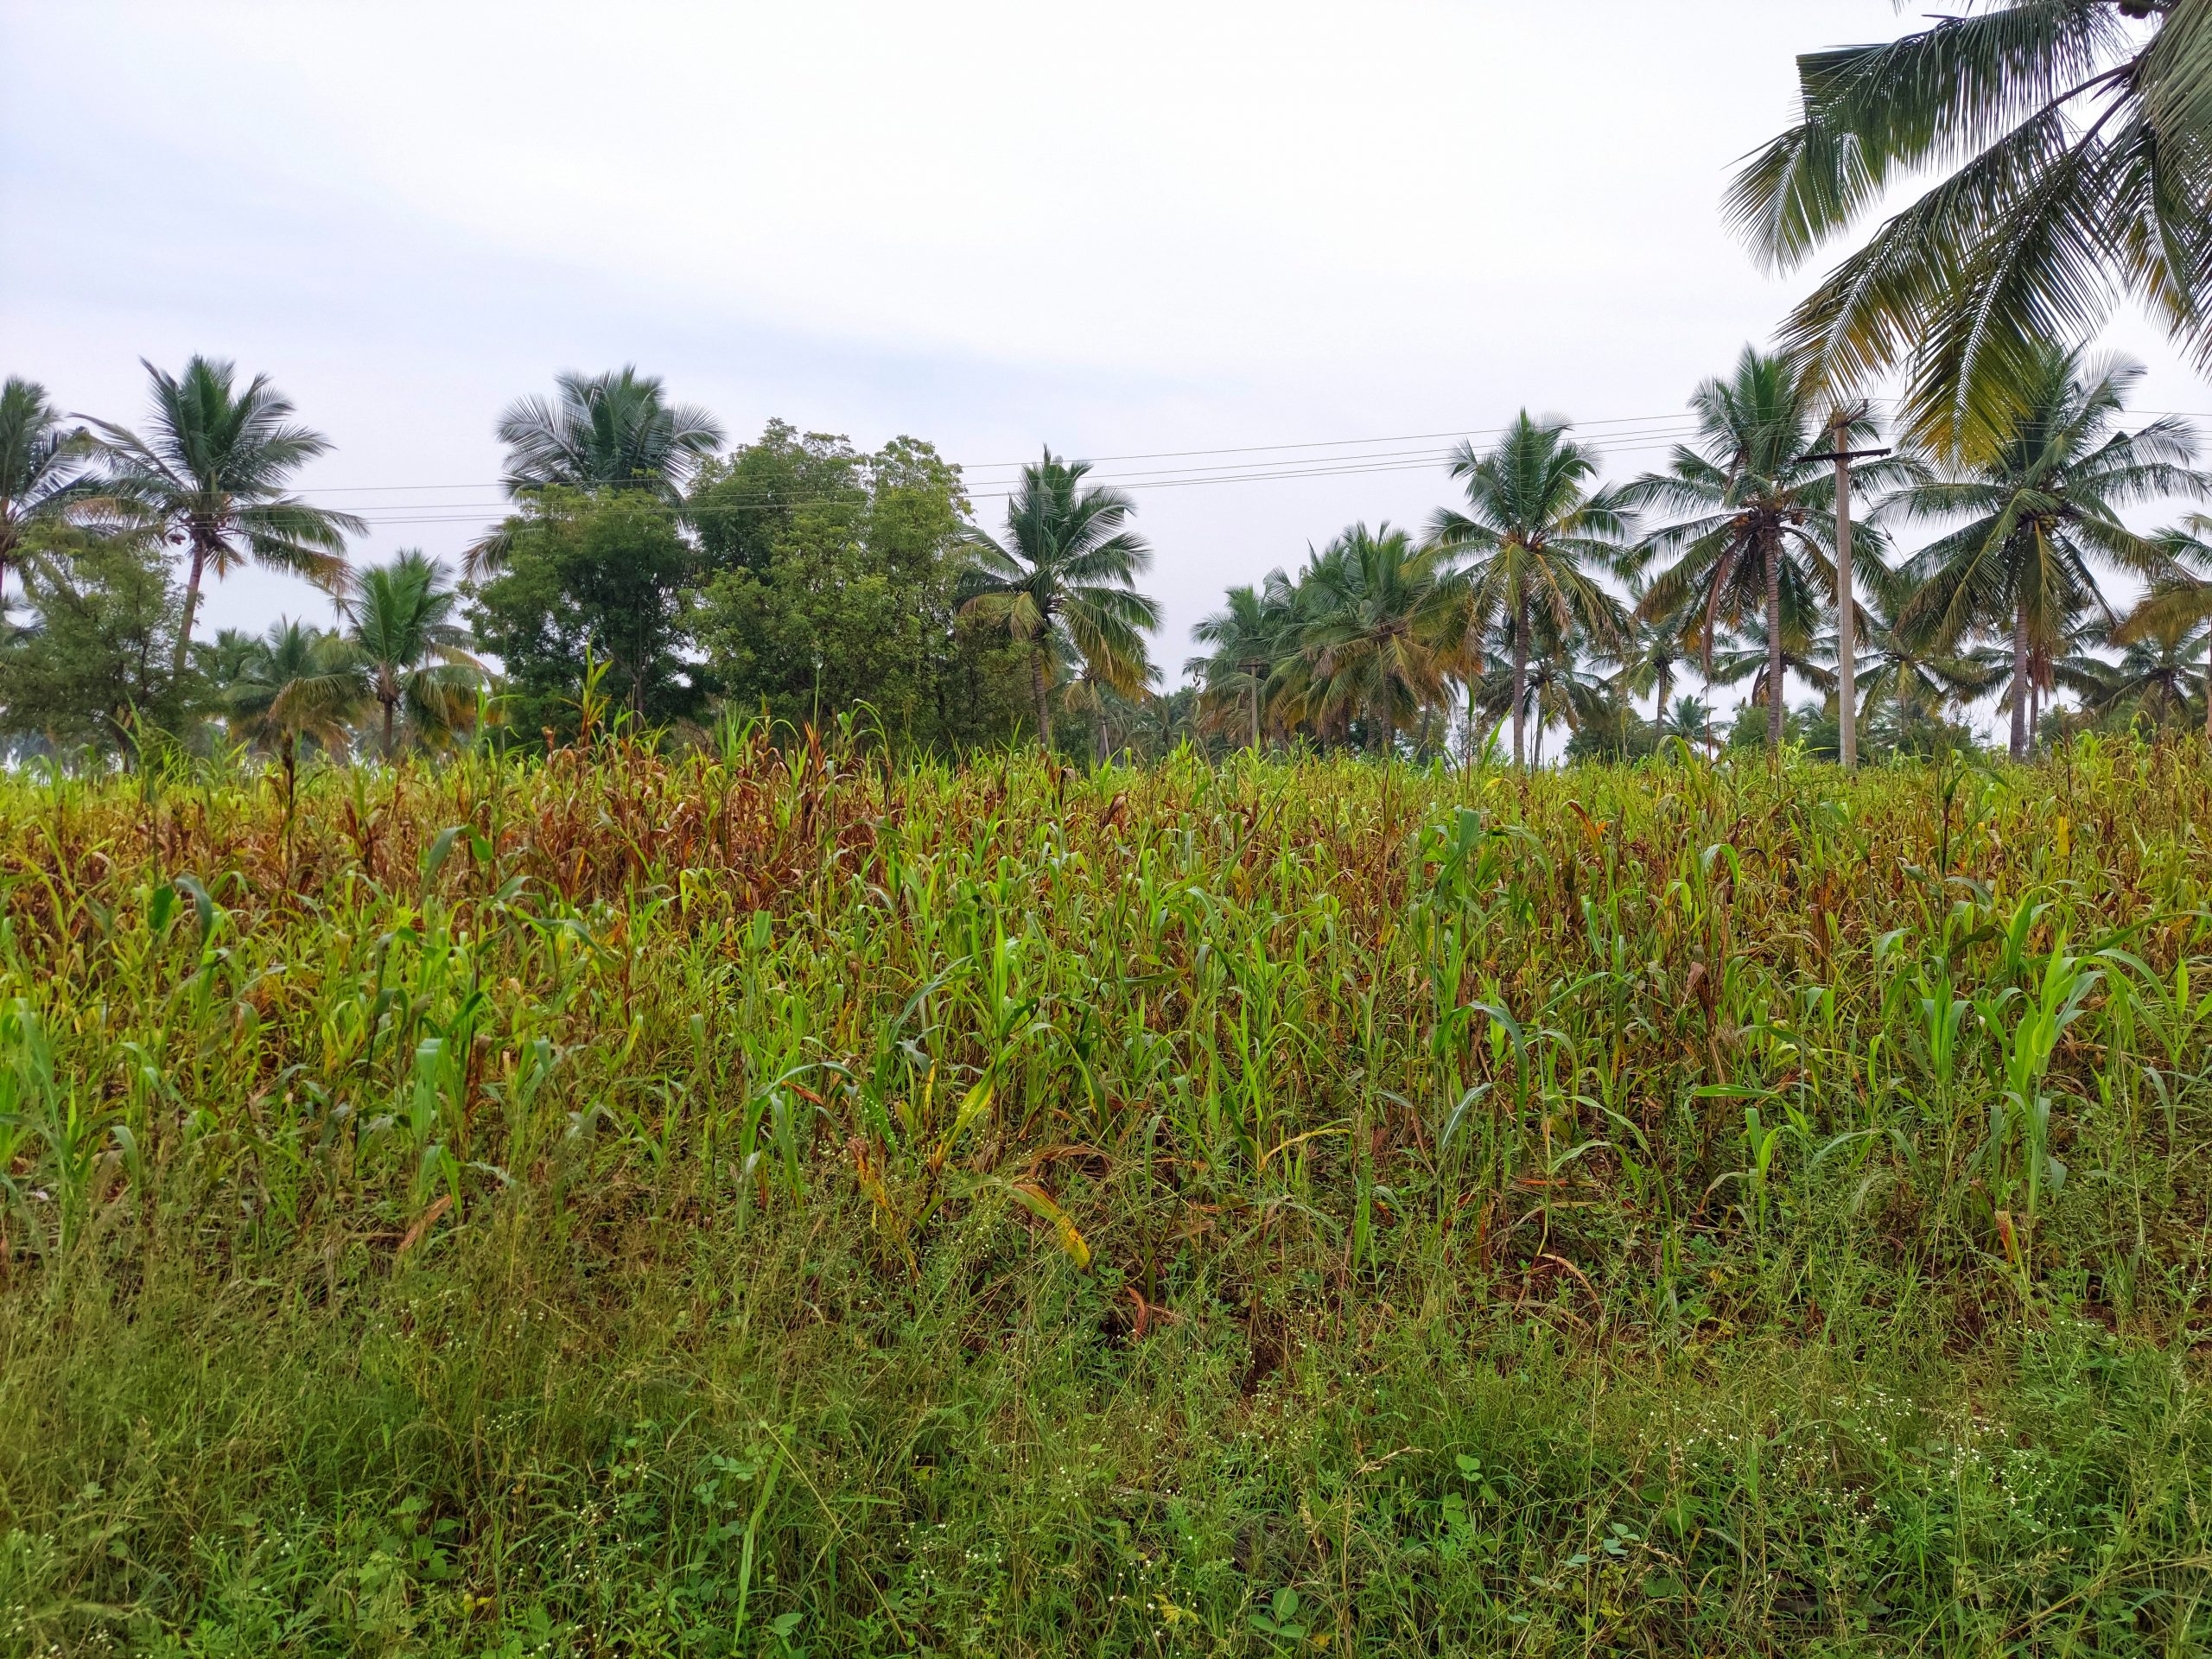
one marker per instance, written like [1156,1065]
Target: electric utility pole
[1846,653]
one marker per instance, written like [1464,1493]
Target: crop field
[770,1201]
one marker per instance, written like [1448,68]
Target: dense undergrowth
[767,1202]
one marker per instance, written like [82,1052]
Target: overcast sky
[1119,230]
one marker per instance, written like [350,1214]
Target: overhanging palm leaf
[2081,145]
[41,465]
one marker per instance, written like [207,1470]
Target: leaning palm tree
[1531,527]
[41,461]
[2077,138]
[2037,508]
[213,471]
[294,682]
[1064,582]
[411,652]
[1379,633]
[614,431]
[1754,524]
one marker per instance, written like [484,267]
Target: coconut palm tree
[1258,624]
[1377,636]
[1900,669]
[605,431]
[1748,655]
[1531,528]
[1556,688]
[2158,676]
[2076,137]
[212,473]
[41,464]
[2180,594]
[294,682]
[1691,720]
[1754,520]
[2036,507]
[1064,582]
[613,431]
[1652,652]
[411,654]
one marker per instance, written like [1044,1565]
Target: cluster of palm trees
[1727,561]
[209,474]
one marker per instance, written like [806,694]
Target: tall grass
[770,1201]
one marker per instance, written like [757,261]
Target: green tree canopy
[93,667]
[604,574]
[834,579]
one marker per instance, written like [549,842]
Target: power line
[465,512]
[1674,418]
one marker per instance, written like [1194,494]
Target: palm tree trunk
[2208,693]
[1043,706]
[2020,679]
[1774,698]
[1659,699]
[390,709]
[1520,680]
[183,657]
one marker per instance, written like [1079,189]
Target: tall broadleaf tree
[2035,509]
[1752,520]
[1063,582]
[213,471]
[42,466]
[2075,141]
[609,431]
[1532,528]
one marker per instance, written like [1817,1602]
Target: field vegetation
[776,1199]
[728,1071]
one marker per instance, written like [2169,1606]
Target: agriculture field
[769,1202]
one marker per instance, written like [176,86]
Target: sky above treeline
[1126,230]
